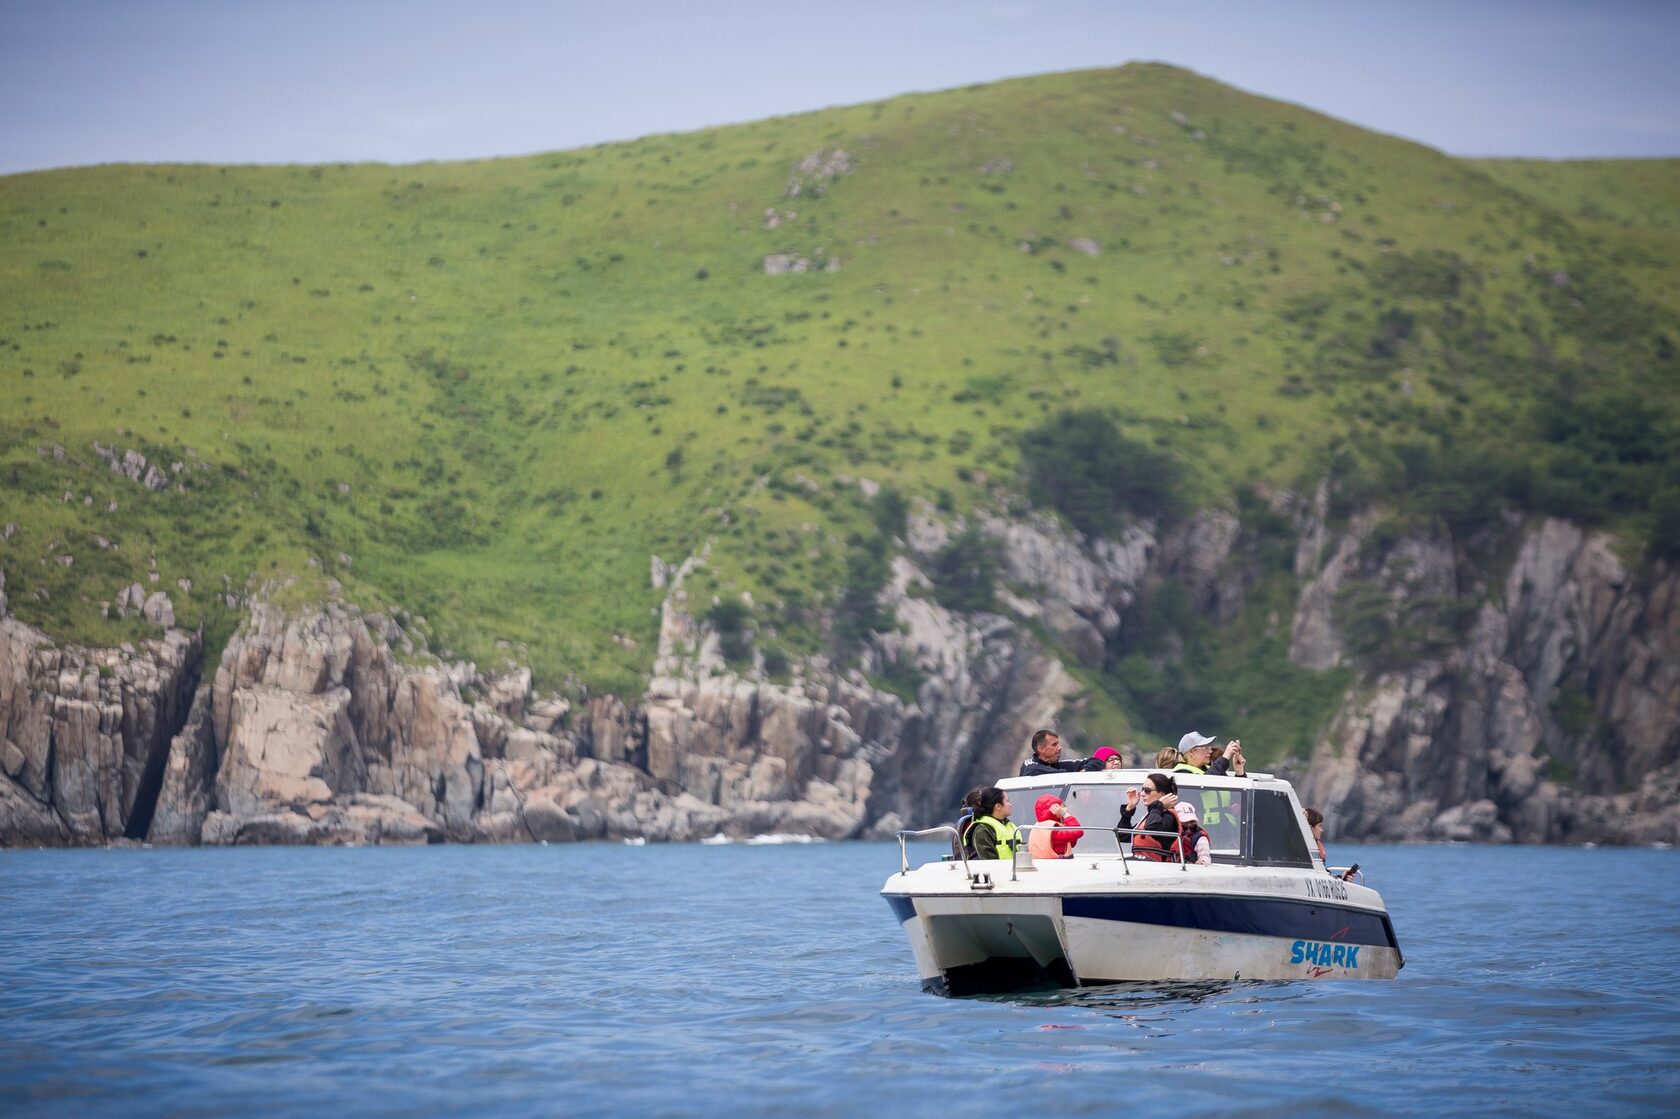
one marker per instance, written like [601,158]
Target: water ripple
[765,981]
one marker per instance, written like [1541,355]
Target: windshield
[1098,807]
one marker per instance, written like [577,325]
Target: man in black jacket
[1047,757]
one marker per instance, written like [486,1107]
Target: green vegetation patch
[487,393]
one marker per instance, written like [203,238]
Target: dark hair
[1163,783]
[971,799]
[990,798]
[1314,817]
[1040,737]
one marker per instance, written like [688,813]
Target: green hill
[484,393]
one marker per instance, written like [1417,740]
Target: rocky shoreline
[315,728]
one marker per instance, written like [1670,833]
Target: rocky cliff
[85,733]
[312,729]
[1553,715]
[1534,697]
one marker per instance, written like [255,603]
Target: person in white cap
[1199,753]
[1194,841]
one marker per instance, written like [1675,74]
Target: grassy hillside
[486,392]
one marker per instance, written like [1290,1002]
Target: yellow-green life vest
[1216,807]
[1215,802]
[1008,835]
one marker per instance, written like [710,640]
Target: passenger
[965,817]
[1200,754]
[992,835]
[1158,796]
[1058,829]
[1047,755]
[1167,758]
[1315,821]
[1198,848]
[1110,757]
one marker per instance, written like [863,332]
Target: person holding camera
[1199,753]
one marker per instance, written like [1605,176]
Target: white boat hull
[1089,922]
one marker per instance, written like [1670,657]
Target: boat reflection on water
[1127,998]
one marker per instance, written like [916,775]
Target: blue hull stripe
[1291,920]
[903,908]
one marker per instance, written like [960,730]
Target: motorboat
[1266,908]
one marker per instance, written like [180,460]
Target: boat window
[1277,832]
[1098,810]
[1221,813]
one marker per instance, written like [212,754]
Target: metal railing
[923,833]
[950,830]
[1121,847]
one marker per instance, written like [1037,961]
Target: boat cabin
[1250,821]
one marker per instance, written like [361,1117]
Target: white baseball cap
[1192,740]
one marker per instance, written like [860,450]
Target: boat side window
[1098,810]
[1277,833]
[1221,814]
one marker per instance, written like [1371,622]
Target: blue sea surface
[759,981]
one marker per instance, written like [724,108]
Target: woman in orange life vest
[1158,796]
[1057,831]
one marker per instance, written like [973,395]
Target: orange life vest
[1155,847]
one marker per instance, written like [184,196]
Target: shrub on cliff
[964,572]
[1080,465]
[1606,453]
[858,613]
[729,618]
[1665,522]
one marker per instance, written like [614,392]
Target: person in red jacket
[1057,831]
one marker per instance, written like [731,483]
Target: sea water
[773,981]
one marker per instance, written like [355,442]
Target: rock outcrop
[1555,715]
[1526,690]
[85,733]
[1081,589]
[839,757]
[311,731]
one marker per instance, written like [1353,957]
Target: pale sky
[312,81]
